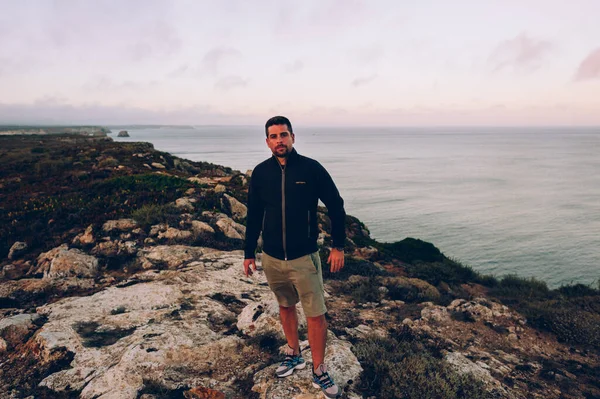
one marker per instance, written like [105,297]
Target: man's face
[280,140]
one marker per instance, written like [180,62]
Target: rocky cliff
[121,277]
[35,130]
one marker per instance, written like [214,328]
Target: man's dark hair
[278,120]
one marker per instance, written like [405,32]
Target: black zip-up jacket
[282,203]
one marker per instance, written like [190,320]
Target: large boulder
[112,249]
[15,329]
[260,318]
[176,235]
[199,227]
[185,204]
[170,256]
[85,238]
[121,225]
[63,262]
[231,229]
[238,210]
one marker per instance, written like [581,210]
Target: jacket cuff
[249,254]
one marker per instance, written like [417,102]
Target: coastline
[142,217]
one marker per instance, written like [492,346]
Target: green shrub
[108,162]
[146,182]
[575,323]
[394,368]
[513,287]
[448,271]
[411,250]
[152,214]
[366,290]
[411,290]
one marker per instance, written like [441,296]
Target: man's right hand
[249,264]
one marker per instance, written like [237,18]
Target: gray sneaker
[291,362]
[324,381]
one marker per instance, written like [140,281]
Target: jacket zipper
[308,223]
[283,208]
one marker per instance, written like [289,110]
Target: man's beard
[283,154]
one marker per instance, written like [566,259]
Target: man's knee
[317,321]
[287,309]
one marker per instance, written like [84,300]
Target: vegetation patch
[403,367]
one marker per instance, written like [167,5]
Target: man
[282,203]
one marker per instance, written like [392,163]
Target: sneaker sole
[290,371]
[324,394]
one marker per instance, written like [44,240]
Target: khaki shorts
[297,280]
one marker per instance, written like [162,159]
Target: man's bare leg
[317,337]
[289,321]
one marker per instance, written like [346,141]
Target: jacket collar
[291,157]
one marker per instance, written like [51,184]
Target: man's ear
[293,138]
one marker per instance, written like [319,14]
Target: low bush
[396,368]
[514,288]
[352,267]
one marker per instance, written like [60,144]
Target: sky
[325,62]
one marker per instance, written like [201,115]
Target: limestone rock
[199,227]
[220,188]
[17,249]
[170,256]
[202,180]
[184,204]
[121,225]
[436,314]
[158,165]
[260,318]
[112,249]
[158,228]
[63,262]
[175,235]
[15,270]
[341,362]
[85,238]
[238,210]
[15,329]
[231,229]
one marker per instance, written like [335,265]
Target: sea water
[524,201]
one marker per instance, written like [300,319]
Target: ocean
[522,201]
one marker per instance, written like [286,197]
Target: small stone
[220,188]
[17,249]
[158,165]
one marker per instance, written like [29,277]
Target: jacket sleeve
[329,194]
[254,218]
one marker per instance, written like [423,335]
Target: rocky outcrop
[231,229]
[17,249]
[14,330]
[237,209]
[121,225]
[85,238]
[170,256]
[63,262]
[123,133]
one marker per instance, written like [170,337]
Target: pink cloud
[589,67]
[523,53]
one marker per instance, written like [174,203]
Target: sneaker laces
[289,360]
[324,379]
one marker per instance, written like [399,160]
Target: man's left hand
[336,260]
